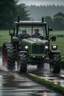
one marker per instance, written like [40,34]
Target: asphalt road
[14,84]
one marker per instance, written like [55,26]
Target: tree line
[57,23]
[36,12]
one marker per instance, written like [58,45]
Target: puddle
[14,85]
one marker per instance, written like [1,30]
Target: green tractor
[34,51]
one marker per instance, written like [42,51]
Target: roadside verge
[46,83]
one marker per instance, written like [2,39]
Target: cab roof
[30,23]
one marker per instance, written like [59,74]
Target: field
[59,40]
[4,37]
[57,32]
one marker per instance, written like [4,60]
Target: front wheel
[56,67]
[22,63]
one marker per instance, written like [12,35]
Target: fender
[15,39]
[55,51]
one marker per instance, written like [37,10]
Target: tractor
[34,51]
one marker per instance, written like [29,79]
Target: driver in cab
[24,34]
[36,33]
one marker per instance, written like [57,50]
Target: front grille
[38,49]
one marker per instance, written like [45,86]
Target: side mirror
[53,38]
[12,32]
[50,29]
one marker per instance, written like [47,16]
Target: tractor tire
[57,63]
[8,56]
[23,63]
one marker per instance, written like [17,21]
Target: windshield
[31,30]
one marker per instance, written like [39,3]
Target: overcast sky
[42,2]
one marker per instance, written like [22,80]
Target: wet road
[14,84]
[47,75]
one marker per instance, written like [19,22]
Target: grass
[4,37]
[51,85]
[56,32]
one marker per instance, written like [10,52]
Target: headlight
[54,47]
[26,47]
[46,47]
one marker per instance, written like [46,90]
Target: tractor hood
[34,40]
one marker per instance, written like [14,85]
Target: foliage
[49,20]
[7,13]
[57,23]
[9,10]
[21,10]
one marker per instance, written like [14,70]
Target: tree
[7,13]
[49,20]
[9,10]
[58,23]
[22,11]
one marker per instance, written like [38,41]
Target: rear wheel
[8,56]
[57,63]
